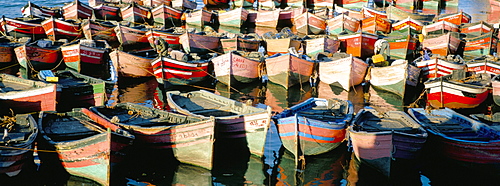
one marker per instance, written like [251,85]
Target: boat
[484,64]
[233,119]
[395,13]
[315,126]
[402,44]
[349,12]
[169,71]
[290,13]
[197,43]
[127,64]
[288,70]
[342,23]
[22,27]
[85,56]
[443,44]
[166,16]
[56,29]
[267,18]
[77,90]
[369,12]
[20,132]
[215,3]
[153,3]
[440,27]
[438,66]
[375,24]
[307,23]
[281,45]
[352,4]
[279,98]
[33,10]
[7,54]
[359,45]
[198,19]
[190,138]
[172,37]
[458,137]
[495,84]
[184,4]
[77,10]
[269,4]
[380,138]
[320,44]
[319,4]
[342,70]
[132,38]
[233,18]
[25,96]
[477,46]
[238,67]
[243,3]
[458,90]
[414,25]
[247,43]
[83,147]
[457,18]
[136,14]
[100,30]
[42,54]
[107,12]
[476,28]
[395,78]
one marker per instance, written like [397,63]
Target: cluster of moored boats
[72,53]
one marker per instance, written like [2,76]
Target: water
[277,167]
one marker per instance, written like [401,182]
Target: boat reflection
[134,90]
[384,101]
[244,92]
[279,98]
[356,95]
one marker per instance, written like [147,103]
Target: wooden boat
[7,54]
[56,29]
[352,4]
[196,43]
[290,13]
[233,119]
[477,46]
[268,4]
[439,27]
[455,18]
[234,18]
[495,84]
[215,2]
[130,65]
[176,72]
[438,66]
[243,3]
[395,78]
[461,91]
[233,68]
[85,56]
[429,6]
[170,36]
[247,43]
[347,11]
[33,10]
[77,90]
[308,23]
[342,23]
[154,3]
[100,30]
[267,18]
[484,64]
[166,16]
[414,25]
[295,3]
[20,133]
[190,138]
[443,44]
[84,147]
[274,46]
[22,27]
[458,137]
[288,70]
[135,13]
[132,38]
[368,12]
[25,96]
[315,126]
[319,44]
[402,44]
[107,12]
[198,19]
[375,24]
[358,44]
[184,4]
[40,55]
[342,69]
[318,4]
[395,13]
[476,28]
[377,138]
[77,10]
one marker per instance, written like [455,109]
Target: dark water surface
[338,167]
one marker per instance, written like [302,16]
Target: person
[426,53]
[161,46]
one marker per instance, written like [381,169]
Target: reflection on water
[356,95]
[279,98]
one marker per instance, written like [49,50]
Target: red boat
[166,16]
[476,28]
[132,39]
[22,27]
[136,14]
[131,65]
[85,55]
[358,44]
[40,55]
[413,24]
[368,12]
[59,29]
[168,35]
[343,23]
[99,30]
[308,23]
[376,24]
[176,72]
[215,2]
[455,18]
[77,10]
[32,10]
[438,66]
[107,12]
[444,44]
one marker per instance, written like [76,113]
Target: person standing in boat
[161,46]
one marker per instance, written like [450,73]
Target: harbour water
[338,167]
